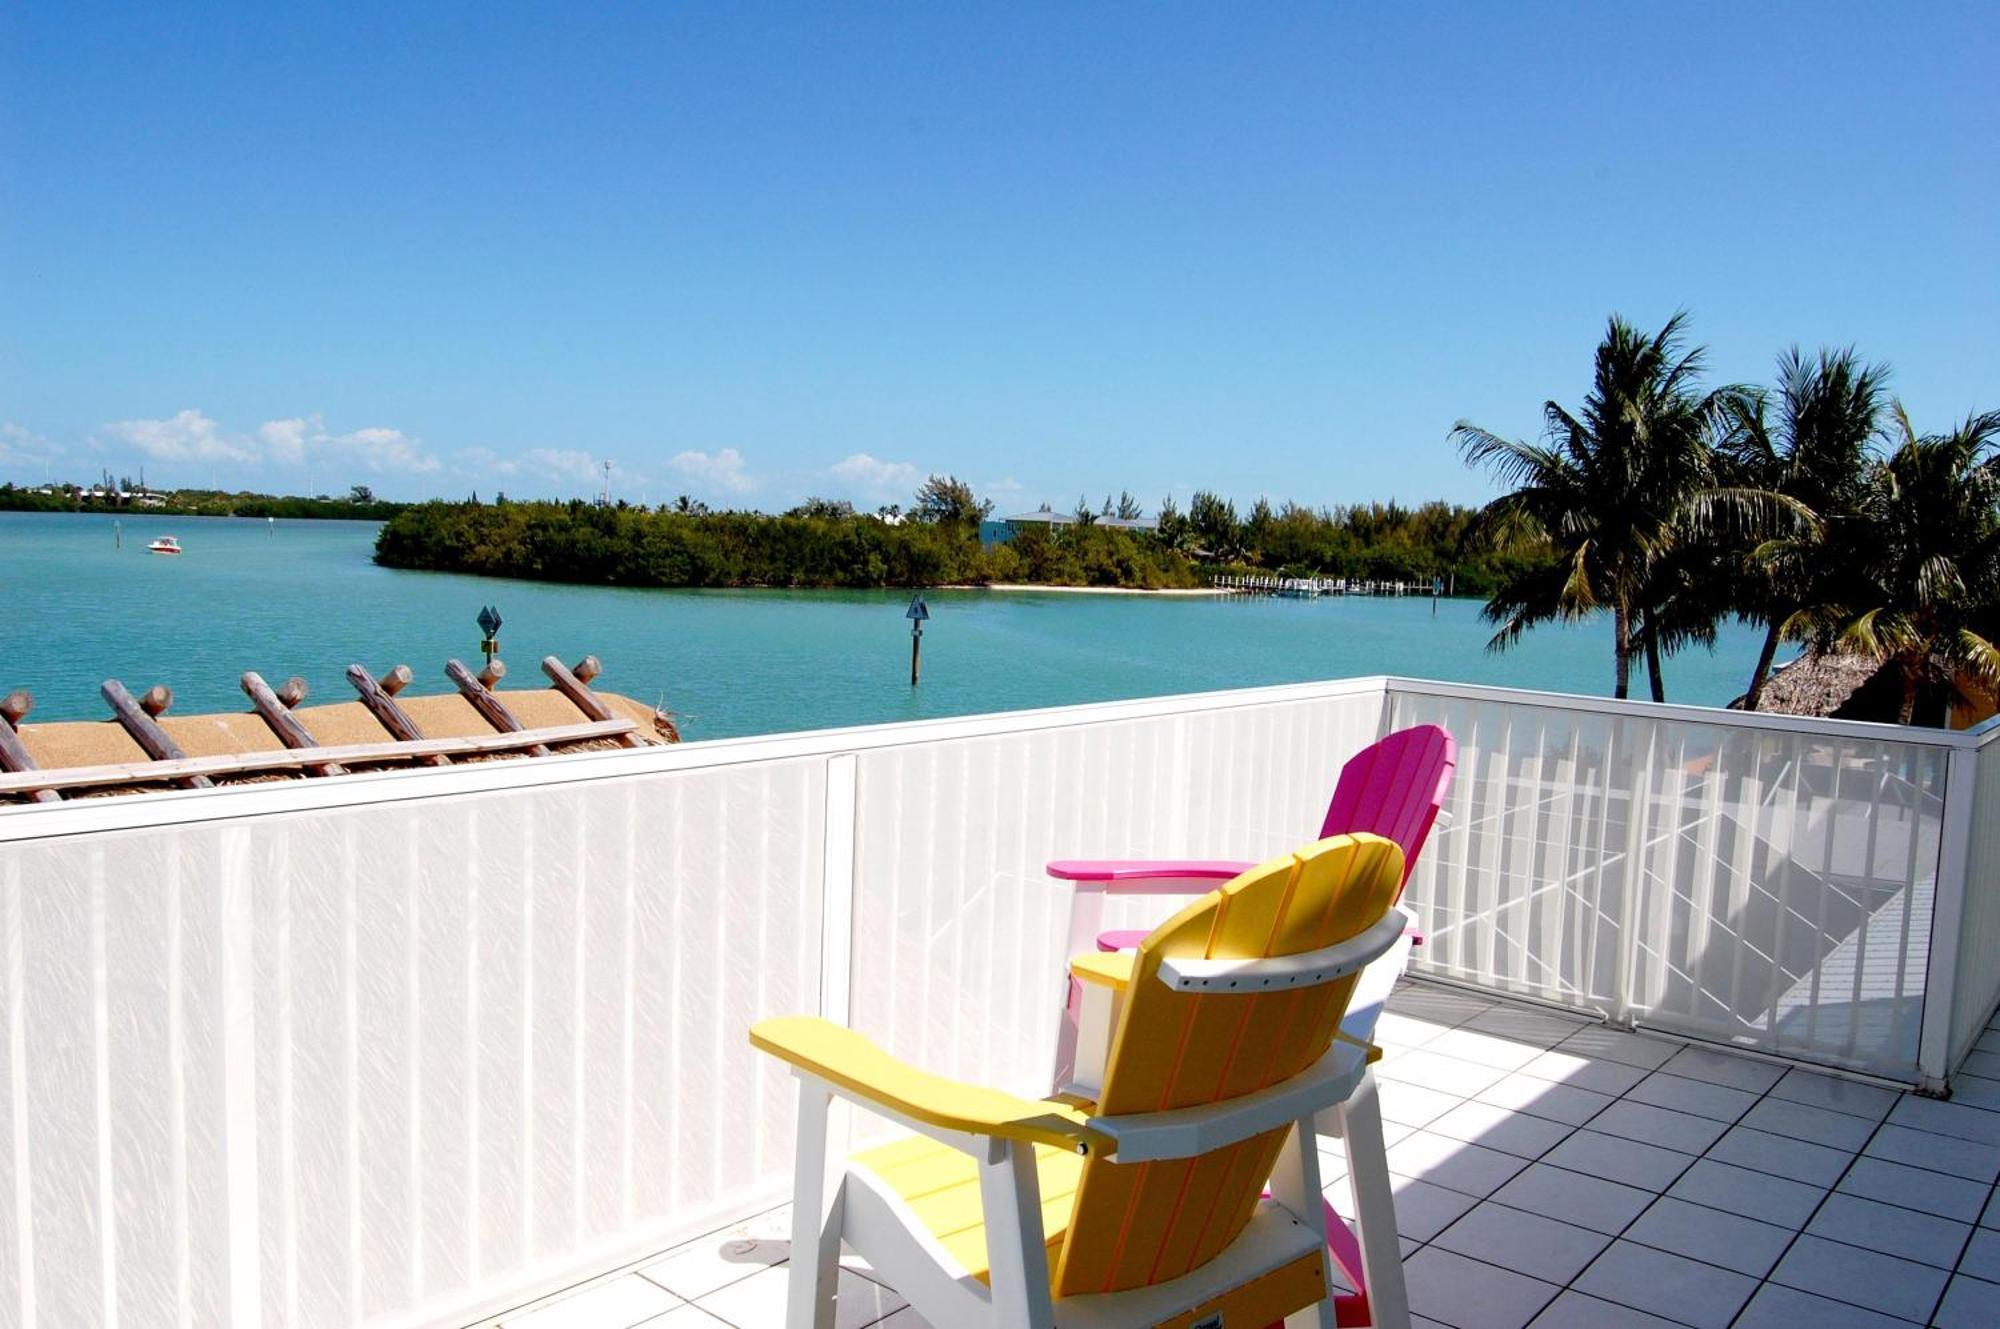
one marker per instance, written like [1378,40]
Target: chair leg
[1295,1185]
[817,1195]
[1374,1206]
[1010,1198]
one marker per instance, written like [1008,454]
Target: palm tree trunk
[1908,712]
[1653,660]
[1762,673]
[1621,630]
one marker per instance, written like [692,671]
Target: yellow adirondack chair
[1145,1208]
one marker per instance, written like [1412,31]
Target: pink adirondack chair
[1395,788]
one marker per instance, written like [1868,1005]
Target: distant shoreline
[1088,590]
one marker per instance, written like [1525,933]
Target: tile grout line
[1768,1093]
[1570,1284]
[1661,1194]
[1831,1189]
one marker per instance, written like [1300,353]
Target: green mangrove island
[945,539]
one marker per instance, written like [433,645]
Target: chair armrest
[858,1069]
[1193,876]
[1109,969]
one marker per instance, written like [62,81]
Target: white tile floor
[1561,1175]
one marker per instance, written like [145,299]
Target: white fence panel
[1765,886]
[1977,980]
[395,1060]
[958,932]
[403,1049]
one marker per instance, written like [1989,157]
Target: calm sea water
[303,598]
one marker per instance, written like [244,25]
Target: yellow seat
[941,1186]
[1145,1208]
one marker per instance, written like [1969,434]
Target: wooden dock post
[13,753]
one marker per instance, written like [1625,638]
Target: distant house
[1050,519]
[1042,516]
[148,499]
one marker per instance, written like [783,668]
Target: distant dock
[1311,588]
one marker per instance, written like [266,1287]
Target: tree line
[1812,508]
[360,504]
[818,545]
[938,541]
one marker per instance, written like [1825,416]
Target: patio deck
[1552,1172]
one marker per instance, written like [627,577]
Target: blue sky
[756,252]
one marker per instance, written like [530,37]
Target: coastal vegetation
[938,542]
[126,496]
[1814,510]
[818,544]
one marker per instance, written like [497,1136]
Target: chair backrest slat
[1142,1223]
[1394,788]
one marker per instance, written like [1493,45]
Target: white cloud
[191,436]
[483,462]
[188,436]
[876,480]
[21,446]
[562,464]
[383,450]
[285,440]
[1005,485]
[722,470]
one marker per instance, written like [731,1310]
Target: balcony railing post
[836,917]
[1625,955]
[1947,917]
[236,1064]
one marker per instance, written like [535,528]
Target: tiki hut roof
[141,748]
[1817,684]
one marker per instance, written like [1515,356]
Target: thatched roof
[142,747]
[65,743]
[1818,685]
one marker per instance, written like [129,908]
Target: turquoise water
[303,598]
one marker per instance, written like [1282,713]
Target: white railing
[407,1048]
[1767,885]
[1973,981]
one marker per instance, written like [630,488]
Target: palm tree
[1816,452]
[1689,591]
[1928,583]
[1611,492]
